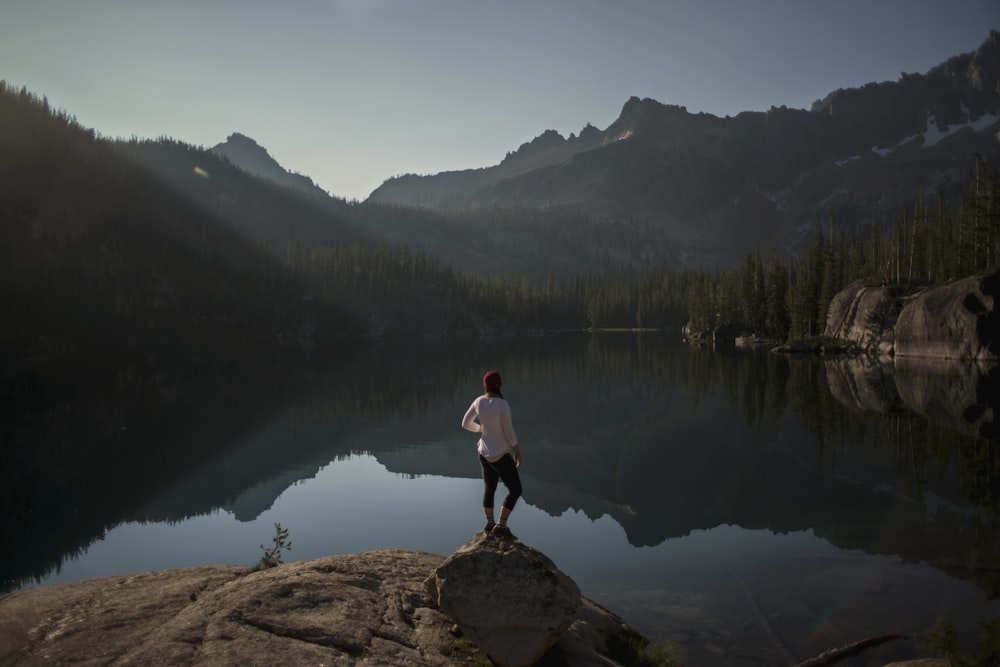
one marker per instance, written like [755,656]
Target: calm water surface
[725,501]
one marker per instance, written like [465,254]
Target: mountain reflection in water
[753,508]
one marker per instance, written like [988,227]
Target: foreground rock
[361,609]
[507,598]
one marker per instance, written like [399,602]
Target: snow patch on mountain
[932,134]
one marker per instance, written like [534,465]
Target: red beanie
[492,379]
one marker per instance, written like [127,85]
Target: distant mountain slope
[716,186]
[263,209]
[99,254]
[249,156]
[512,243]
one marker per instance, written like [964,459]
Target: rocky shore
[492,602]
[373,608]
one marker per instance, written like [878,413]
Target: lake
[742,505]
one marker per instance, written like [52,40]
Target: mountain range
[714,187]
[659,186]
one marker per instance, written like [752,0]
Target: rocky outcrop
[360,609]
[955,321]
[507,598]
[865,316]
[931,352]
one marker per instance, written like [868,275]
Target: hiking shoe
[501,530]
[489,527]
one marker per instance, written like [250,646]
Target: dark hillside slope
[270,213]
[513,243]
[254,159]
[97,254]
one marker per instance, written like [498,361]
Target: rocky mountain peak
[254,159]
[237,140]
[589,132]
[546,140]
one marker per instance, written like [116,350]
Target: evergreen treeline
[931,243]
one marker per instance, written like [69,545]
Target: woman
[499,455]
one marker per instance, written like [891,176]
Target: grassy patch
[640,652]
[468,653]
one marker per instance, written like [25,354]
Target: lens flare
[201,172]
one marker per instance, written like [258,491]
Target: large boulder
[865,316]
[955,321]
[507,598]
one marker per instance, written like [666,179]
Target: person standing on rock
[499,454]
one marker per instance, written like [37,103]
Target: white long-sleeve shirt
[493,415]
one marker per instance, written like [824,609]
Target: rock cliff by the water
[954,321]
[929,351]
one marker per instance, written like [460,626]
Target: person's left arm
[469,422]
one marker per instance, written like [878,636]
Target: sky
[352,92]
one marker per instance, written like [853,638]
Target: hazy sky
[351,92]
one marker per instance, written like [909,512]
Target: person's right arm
[507,425]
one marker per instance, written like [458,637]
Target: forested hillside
[120,246]
[97,254]
[124,246]
[512,242]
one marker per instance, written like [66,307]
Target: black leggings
[505,470]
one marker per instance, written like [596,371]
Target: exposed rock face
[865,316]
[944,343]
[956,321]
[508,598]
[360,609]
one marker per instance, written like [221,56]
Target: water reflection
[960,396]
[764,470]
